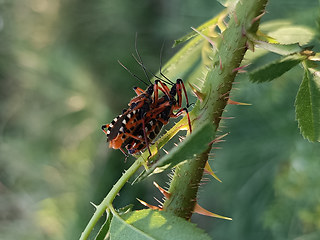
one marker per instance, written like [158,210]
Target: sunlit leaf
[185,59]
[293,34]
[275,69]
[149,224]
[285,32]
[282,49]
[194,144]
[308,105]
[228,3]
[201,28]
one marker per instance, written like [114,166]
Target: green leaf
[201,28]
[104,230]
[195,143]
[286,32]
[282,49]
[275,69]
[149,224]
[185,59]
[228,3]
[293,34]
[125,209]
[308,105]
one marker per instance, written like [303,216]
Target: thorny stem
[218,84]
[107,201]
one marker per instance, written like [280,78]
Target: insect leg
[177,114]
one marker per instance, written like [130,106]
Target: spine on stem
[244,18]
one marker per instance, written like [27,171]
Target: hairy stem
[107,201]
[218,84]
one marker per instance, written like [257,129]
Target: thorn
[198,94]
[208,170]
[220,137]
[96,206]
[200,210]
[160,203]
[243,31]
[235,18]
[166,152]
[204,180]
[226,117]
[225,23]
[181,138]
[220,63]
[148,205]
[237,103]
[219,141]
[205,37]
[250,45]
[200,80]
[165,193]
[240,68]
[258,17]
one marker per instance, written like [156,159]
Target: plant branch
[218,84]
[107,201]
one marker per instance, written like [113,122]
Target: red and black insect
[123,125]
[136,128]
[161,110]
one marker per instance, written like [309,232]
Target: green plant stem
[107,201]
[187,189]
[218,84]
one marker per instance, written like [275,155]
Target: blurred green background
[60,81]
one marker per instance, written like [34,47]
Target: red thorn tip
[148,205]
[205,37]
[165,193]
[237,103]
[208,170]
[258,17]
[240,68]
[200,210]
[196,92]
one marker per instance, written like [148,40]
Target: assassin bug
[161,110]
[139,125]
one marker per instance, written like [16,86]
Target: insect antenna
[157,77]
[160,67]
[139,59]
[134,75]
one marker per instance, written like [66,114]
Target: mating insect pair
[136,128]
